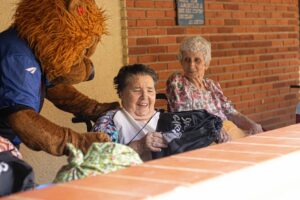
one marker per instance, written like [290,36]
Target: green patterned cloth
[101,158]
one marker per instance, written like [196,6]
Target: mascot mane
[59,31]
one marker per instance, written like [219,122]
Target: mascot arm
[67,98]
[38,133]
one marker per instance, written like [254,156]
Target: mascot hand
[102,108]
[39,133]
[67,98]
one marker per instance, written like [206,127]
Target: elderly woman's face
[193,64]
[138,97]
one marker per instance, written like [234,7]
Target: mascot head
[63,35]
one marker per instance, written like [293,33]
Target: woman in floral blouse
[191,91]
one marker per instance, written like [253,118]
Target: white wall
[107,61]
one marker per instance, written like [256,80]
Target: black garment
[15,174]
[187,130]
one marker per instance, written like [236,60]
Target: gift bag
[187,130]
[101,158]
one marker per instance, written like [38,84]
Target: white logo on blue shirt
[31,69]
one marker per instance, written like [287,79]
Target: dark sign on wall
[190,12]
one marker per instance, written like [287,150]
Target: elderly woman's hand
[223,137]
[255,128]
[154,141]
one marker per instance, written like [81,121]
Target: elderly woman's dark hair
[127,71]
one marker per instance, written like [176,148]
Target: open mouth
[143,104]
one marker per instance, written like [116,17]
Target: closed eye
[136,90]
[151,90]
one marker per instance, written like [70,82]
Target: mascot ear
[77,7]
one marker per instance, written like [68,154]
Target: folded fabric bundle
[101,158]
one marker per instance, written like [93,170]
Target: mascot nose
[92,74]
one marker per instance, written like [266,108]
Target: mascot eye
[80,10]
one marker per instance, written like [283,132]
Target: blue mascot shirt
[21,79]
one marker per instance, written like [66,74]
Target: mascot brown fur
[60,32]
[63,34]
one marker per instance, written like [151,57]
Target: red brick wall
[255,48]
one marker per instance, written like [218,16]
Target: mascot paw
[104,107]
[114,105]
[102,137]
[89,138]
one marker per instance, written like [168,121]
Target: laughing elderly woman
[191,90]
[135,123]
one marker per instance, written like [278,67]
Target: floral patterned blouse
[106,124]
[183,95]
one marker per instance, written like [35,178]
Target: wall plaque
[190,12]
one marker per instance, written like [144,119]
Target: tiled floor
[152,179]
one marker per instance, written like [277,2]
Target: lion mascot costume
[43,53]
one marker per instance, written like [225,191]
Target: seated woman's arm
[240,120]
[245,123]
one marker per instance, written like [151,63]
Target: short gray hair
[196,44]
